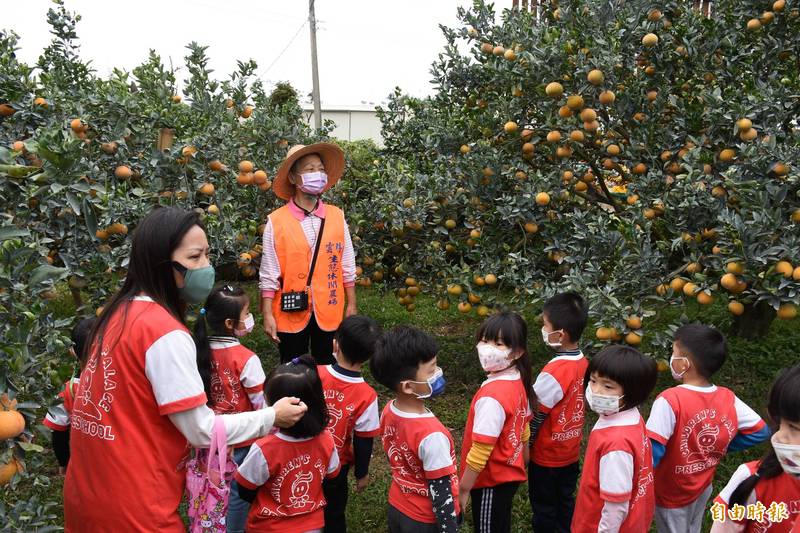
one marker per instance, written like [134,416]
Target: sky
[365,48]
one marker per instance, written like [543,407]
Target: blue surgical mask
[436,383]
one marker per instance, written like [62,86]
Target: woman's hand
[288,411]
[271,327]
[350,310]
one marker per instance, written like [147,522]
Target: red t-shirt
[124,472]
[498,416]
[352,409]
[236,376]
[769,493]
[559,391]
[58,417]
[618,468]
[288,474]
[419,448]
[696,425]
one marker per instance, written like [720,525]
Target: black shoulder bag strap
[316,253]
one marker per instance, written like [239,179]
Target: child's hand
[362,483]
[288,411]
[463,500]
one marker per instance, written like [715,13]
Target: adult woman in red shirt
[141,398]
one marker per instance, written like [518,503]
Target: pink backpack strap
[217,452]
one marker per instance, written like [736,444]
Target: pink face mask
[493,358]
[313,182]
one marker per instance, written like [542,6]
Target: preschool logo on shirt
[218,389]
[299,481]
[570,418]
[399,456]
[95,396]
[701,444]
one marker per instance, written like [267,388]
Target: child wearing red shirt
[58,417]
[495,448]
[616,490]
[692,427]
[768,490]
[423,496]
[232,374]
[557,426]
[282,474]
[353,416]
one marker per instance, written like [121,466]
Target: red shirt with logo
[125,464]
[695,425]
[498,416]
[352,409]
[288,473]
[58,417]
[767,501]
[559,391]
[419,448]
[618,468]
[237,377]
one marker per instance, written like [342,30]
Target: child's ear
[229,324]
[335,346]
[406,388]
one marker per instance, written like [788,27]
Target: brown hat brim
[332,157]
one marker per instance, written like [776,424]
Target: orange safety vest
[326,297]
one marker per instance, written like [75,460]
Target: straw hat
[331,155]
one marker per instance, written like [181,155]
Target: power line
[284,49]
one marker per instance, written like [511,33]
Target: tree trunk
[754,322]
[76,297]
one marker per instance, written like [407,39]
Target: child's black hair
[635,373]
[223,303]
[567,311]
[784,403]
[299,378]
[398,354]
[511,329]
[79,335]
[705,345]
[356,337]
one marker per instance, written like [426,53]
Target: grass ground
[749,372]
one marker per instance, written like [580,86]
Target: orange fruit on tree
[748,135]
[779,5]
[479,281]
[677,284]
[443,305]
[784,268]
[564,112]
[796,274]
[554,136]
[464,149]
[246,166]
[607,97]
[18,146]
[596,77]
[787,311]
[473,298]
[77,125]
[259,177]
[213,209]
[650,40]
[734,267]
[482,310]
[510,127]
[574,102]
[662,365]
[216,165]
[693,268]
[588,115]
[410,282]
[530,227]
[464,307]
[727,155]
[576,136]
[729,281]
[795,216]
[542,199]
[454,290]
[736,308]
[6,110]
[633,339]
[123,172]
[247,111]
[244,178]
[554,89]
[498,50]
[661,289]
[639,169]
[528,148]
[744,124]
[613,149]
[581,187]
[101,234]
[603,333]
[753,25]
[12,423]
[490,279]
[207,189]
[704,297]
[633,322]
[652,95]
[109,147]
[41,102]
[689,289]
[9,470]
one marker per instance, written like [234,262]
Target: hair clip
[202,310]
[295,361]
[228,288]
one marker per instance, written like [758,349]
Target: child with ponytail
[774,481]
[495,448]
[232,374]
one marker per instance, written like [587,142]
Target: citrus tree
[638,152]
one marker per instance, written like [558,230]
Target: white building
[353,122]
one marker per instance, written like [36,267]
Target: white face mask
[675,375]
[546,338]
[493,358]
[249,323]
[603,404]
[788,456]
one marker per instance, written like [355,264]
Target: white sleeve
[370,419]
[434,450]
[612,516]
[333,464]
[252,373]
[171,367]
[616,476]
[738,476]
[662,419]
[57,418]
[748,418]
[548,390]
[197,425]
[269,271]
[489,417]
[254,468]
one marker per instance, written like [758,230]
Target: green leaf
[10,232]
[74,203]
[89,216]
[30,447]
[46,273]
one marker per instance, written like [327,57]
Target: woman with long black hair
[141,398]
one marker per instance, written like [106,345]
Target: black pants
[296,344]
[400,523]
[491,508]
[335,490]
[552,494]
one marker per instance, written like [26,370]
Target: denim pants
[237,507]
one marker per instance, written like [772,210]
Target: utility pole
[312,22]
